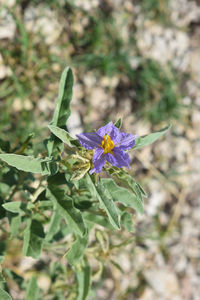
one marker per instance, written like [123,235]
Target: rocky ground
[164,261]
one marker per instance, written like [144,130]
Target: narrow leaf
[84,282]
[62,109]
[54,226]
[63,135]
[2,279]
[30,164]
[145,140]
[97,219]
[32,290]
[33,239]
[122,195]
[105,200]
[118,124]
[15,224]
[77,250]
[4,295]
[65,207]
[15,207]
[127,222]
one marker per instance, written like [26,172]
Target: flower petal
[111,130]
[127,141]
[119,158]
[98,161]
[90,140]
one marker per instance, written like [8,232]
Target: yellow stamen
[107,144]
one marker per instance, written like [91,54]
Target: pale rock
[163,44]
[110,82]
[74,124]
[86,4]
[89,80]
[134,62]
[56,67]
[26,263]
[169,34]
[129,6]
[45,105]
[182,149]
[157,198]
[197,101]
[142,128]
[8,3]
[145,154]
[181,263]
[98,98]
[125,282]
[28,105]
[183,12]
[195,64]
[148,294]
[188,231]
[125,107]
[7,25]
[164,282]
[196,119]
[187,100]
[121,26]
[43,20]
[78,93]
[124,262]
[44,282]
[17,105]
[4,70]
[196,213]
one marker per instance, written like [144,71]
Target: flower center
[107,144]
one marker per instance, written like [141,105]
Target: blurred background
[139,60]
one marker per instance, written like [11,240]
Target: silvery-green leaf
[145,140]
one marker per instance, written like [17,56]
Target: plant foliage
[65,201]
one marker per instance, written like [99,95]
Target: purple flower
[110,145]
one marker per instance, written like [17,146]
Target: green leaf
[32,290]
[97,219]
[4,188]
[77,250]
[4,295]
[118,124]
[30,164]
[63,135]
[144,194]
[145,140]
[122,195]
[2,278]
[2,258]
[130,183]
[54,226]
[65,207]
[15,225]
[33,239]
[103,239]
[105,200]
[127,222]
[84,282]
[62,109]
[117,265]
[15,207]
